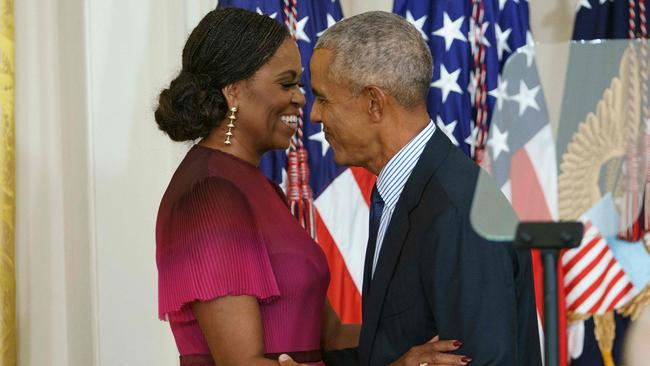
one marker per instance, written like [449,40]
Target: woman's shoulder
[213,182]
[214,192]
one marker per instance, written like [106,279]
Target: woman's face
[269,102]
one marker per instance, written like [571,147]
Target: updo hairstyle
[227,46]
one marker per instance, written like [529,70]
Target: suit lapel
[433,155]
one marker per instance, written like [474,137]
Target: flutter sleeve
[214,248]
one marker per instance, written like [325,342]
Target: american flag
[466,83]
[595,282]
[603,19]
[601,275]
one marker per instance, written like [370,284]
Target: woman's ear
[231,92]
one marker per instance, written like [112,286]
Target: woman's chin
[282,145]
[281,142]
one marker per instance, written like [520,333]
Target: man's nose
[315,113]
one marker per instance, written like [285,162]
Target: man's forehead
[322,57]
[320,65]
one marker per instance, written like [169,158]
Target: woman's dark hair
[228,45]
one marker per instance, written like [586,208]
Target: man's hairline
[348,83]
[338,77]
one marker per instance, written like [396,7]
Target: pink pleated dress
[224,229]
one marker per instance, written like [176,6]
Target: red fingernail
[466,359]
[457,343]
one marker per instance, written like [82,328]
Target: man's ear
[376,99]
[231,93]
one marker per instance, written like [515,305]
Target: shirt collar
[393,176]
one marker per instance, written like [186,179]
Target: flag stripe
[595,282]
[365,180]
[596,264]
[572,261]
[590,234]
[621,288]
[618,274]
[342,292]
[528,198]
[583,259]
[344,212]
[543,165]
[602,291]
[601,273]
[621,298]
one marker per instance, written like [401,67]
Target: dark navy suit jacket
[437,276]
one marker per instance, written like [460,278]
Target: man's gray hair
[381,49]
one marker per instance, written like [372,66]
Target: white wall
[353,7]
[53,224]
[134,50]
[91,168]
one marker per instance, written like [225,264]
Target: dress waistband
[300,357]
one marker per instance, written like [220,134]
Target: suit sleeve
[470,287]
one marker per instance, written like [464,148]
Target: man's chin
[339,158]
[343,160]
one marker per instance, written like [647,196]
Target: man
[427,271]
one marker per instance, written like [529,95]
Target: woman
[240,281]
[238,277]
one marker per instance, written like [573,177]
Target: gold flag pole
[7,188]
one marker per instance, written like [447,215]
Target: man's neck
[396,134]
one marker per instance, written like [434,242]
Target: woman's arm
[334,334]
[232,326]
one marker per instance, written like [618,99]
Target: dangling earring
[231,124]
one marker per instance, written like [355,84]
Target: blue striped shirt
[393,177]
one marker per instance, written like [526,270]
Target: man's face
[345,120]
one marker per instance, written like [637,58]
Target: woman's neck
[216,140]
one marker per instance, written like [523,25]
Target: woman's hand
[433,353]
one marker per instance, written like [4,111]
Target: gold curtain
[7,187]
